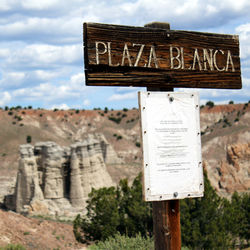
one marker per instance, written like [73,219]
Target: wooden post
[167,229]
[166,214]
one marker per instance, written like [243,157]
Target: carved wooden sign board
[139,56]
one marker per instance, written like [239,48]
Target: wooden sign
[141,56]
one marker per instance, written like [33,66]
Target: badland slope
[225,140]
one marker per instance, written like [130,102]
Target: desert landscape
[42,153]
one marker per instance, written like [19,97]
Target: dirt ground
[36,233]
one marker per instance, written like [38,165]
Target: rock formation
[235,170]
[232,172]
[56,180]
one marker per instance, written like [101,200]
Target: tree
[28,139]
[106,110]
[237,216]
[135,214]
[231,102]
[202,221]
[102,216]
[210,104]
[112,210]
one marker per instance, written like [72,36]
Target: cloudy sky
[41,52]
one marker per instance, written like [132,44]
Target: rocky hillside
[34,233]
[226,147]
[225,140]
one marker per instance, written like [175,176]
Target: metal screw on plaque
[175,194]
[171,99]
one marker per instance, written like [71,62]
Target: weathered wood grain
[142,56]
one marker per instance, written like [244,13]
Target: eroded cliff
[55,180]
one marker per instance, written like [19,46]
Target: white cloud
[41,55]
[42,29]
[12,79]
[19,79]
[246,82]
[191,13]
[5,98]
[244,33]
[6,5]
[39,5]
[77,79]
[118,97]
[86,102]
[66,23]
[4,53]
[60,106]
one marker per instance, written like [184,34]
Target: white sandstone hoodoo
[56,180]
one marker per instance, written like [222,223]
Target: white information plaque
[170,125]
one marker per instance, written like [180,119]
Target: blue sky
[41,52]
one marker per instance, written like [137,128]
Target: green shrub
[210,104]
[115,209]
[102,217]
[125,243]
[231,102]
[116,120]
[119,137]
[138,144]
[125,109]
[106,110]
[28,139]
[13,247]
[19,118]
